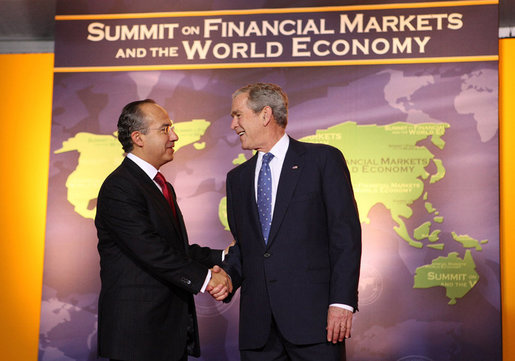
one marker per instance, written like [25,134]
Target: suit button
[266,255]
[186,281]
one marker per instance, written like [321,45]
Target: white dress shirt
[276,164]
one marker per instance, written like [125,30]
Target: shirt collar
[279,149]
[144,165]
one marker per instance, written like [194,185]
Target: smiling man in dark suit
[148,270]
[297,256]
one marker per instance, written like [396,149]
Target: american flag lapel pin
[295,167]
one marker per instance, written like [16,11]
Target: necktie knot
[160,179]
[267,157]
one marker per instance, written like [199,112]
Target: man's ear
[137,138]
[266,113]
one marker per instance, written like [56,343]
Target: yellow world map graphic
[391,170]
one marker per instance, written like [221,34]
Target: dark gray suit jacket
[148,270]
[312,258]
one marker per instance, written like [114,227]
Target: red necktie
[160,179]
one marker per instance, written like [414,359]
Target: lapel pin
[295,167]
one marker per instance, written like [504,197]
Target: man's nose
[234,123]
[173,136]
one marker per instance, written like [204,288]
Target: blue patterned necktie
[264,195]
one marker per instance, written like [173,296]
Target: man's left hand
[339,323]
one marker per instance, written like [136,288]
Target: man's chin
[168,158]
[244,145]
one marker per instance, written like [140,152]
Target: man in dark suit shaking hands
[149,272]
[292,212]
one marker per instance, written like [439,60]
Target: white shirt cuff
[206,282]
[341,305]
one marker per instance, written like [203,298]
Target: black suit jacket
[148,270]
[312,258]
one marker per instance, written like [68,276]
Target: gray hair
[261,95]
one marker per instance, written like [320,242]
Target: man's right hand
[226,251]
[220,284]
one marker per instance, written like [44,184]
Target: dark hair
[132,119]
[261,95]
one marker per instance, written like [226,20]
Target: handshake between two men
[220,284]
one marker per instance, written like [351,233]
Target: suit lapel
[290,174]
[179,221]
[247,179]
[154,193]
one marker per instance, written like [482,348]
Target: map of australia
[457,275]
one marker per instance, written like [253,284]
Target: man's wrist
[206,281]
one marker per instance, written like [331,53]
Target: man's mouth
[241,133]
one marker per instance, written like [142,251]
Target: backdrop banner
[408,91]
